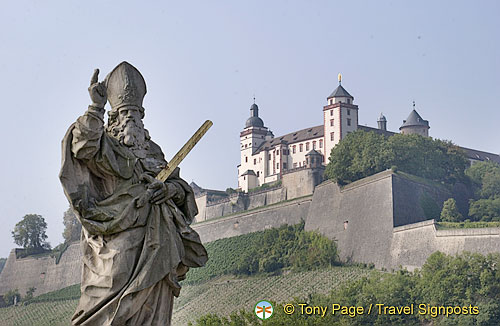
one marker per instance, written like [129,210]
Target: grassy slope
[220,295]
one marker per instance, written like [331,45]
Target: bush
[12,297]
[266,252]
[450,212]
[29,293]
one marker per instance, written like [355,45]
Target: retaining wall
[42,273]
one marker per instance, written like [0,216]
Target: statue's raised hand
[97,91]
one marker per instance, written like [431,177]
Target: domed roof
[254,122]
[382,117]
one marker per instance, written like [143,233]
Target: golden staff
[184,151]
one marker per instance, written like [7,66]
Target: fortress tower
[414,124]
[251,138]
[340,117]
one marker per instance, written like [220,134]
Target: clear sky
[206,60]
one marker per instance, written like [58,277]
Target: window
[348,112]
[331,136]
[348,101]
[257,174]
[246,159]
[314,144]
[278,152]
[331,112]
[254,161]
[284,166]
[331,101]
[321,143]
[246,145]
[331,122]
[300,148]
[269,157]
[277,166]
[307,146]
[294,148]
[307,161]
[348,122]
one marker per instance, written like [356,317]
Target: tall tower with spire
[340,117]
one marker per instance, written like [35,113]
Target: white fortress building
[265,158]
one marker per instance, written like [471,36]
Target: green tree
[72,226]
[485,177]
[30,232]
[358,155]
[361,154]
[478,170]
[450,212]
[491,185]
[429,158]
[486,210]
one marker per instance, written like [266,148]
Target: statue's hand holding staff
[159,191]
[97,90]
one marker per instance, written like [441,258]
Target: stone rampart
[41,272]
[359,217]
[380,220]
[291,212]
[412,244]
[301,181]
[45,275]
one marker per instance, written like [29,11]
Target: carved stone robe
[134,252]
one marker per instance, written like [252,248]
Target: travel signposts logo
[264,309]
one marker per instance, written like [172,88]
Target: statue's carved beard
[131,133]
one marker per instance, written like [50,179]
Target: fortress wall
[264,218]
[276,196]
[302,182]
[201,203]
[41,273]
[371,207]
[413,244]
[215,210]
[413,200]
[366,206]
[67,272]
[257,200]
